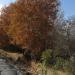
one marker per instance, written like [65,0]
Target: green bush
[46,57]
[62,64]
[59,63]
[67,66]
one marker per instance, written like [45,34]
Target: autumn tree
[4,39]
[29,23]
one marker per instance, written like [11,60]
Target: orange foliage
[28,22]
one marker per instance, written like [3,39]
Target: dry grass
[41,70]
[14,56]
[35,69]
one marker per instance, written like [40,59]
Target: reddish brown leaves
[27,22]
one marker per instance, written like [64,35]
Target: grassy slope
[34,66]
[35,69]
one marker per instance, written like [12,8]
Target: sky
[5,2]
[68,6]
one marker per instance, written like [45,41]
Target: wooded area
[39,27]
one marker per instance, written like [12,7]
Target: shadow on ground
[12,48]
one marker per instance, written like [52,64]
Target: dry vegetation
[11,55]
[36,29]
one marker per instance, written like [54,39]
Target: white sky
[5,3]
[0,8]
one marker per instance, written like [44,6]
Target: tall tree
[29,22]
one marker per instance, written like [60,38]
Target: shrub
[59,63]
[47,57]
[63,64]
[67,66]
